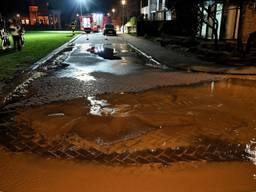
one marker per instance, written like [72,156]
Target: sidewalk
[183,62]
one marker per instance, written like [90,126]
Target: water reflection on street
[86,59]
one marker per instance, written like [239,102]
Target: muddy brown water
[177,116]
[218,114]
[27,173]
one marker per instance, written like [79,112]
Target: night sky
[66,6]
[69,8]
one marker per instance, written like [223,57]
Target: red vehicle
[93,22]
[86,23]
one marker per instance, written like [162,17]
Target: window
[144,3]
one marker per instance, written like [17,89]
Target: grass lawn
[37,45]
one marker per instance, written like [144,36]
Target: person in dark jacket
[73,27]
[3,34]
[15,29]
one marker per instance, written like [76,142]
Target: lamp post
[123,2]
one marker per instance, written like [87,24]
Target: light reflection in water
[251,150]
[212,87]
[100,107]
[81,75]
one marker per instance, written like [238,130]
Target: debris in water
[190,113]
[99,141]
[56,115]
[220,105]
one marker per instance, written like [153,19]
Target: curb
[7,96]
[53,53]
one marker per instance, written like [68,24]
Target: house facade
[155,10]
[215,18]
[226,15]
[40,14]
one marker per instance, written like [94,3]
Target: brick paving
[22,138]
[17,139]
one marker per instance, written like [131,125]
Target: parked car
[109,29]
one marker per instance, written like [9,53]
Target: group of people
[14,27]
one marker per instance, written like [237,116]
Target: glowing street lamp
[81,9]
[123,2]
[113,10]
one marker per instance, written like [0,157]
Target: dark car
[109,30]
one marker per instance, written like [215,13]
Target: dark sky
[69,8]
[92,5]
[65,5]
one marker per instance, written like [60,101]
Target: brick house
[40,14]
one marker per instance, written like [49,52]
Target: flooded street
[111,119]
[27,173]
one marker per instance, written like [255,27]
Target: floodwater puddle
[26,173]
[104,52]
[223,110]
[86,59]
[207,132]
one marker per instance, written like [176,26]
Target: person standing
[2,26]
[15,29]
[73,27]
[21,32]
[3,34]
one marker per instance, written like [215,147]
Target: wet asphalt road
[93,69]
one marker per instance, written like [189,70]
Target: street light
[113,10]
[80,4]
[123,2]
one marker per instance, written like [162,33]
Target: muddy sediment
[212,122]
